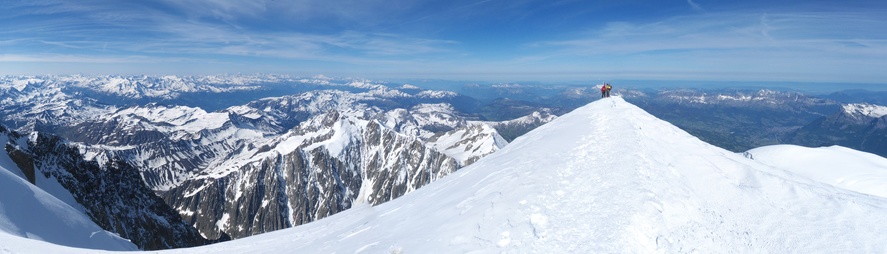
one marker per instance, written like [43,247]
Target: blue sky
[492,40]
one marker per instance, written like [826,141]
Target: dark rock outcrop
[114,195]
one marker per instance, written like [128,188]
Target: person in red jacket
[605,90]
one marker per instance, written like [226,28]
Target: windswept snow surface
[28,213]
[836,165]
[605,178]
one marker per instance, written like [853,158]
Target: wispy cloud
[467,36]
[66,58]
[694,5]
[797,44]
[210,27]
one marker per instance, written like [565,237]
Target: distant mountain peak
[865,109]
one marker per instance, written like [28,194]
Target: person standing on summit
[605,90]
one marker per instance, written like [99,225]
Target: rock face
[112,195]
[347,161]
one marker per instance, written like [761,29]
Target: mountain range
[270,164]
[645,186]
[320,146]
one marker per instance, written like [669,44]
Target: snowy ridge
[865,110]
[835,165]
[647,186]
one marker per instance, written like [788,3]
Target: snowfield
[605,178]
[836,165]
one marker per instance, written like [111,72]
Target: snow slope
[29,212]
[642,185]
[835,165]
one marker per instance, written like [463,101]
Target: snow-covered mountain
[644,186]
[207,165]
[319,168]
[27,210]
[865,110]
[281,161]
[113,196]
[511,129]
[312,154]
[860,126]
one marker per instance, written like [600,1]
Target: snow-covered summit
[864,109]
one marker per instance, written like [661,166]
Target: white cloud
[833,46]
[780,32]
[65,58]
[127,30]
